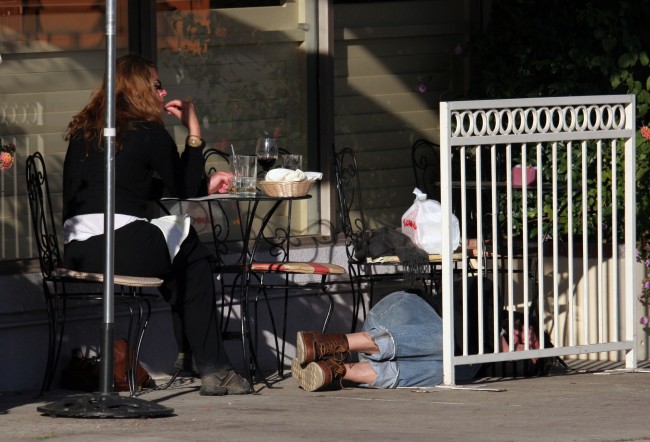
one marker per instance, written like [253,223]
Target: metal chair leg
[330,309]
[274,329]
[51,344]
[56,323]
[134,341]
[248,346]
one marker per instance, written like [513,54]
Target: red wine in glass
[265,162]
[267,152]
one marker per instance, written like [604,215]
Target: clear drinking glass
[244,168]
[267,152]
[293,162]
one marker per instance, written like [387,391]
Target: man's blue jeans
[408,333]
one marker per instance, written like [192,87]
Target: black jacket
[149,157]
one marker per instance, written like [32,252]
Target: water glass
[293,162]
[244,168]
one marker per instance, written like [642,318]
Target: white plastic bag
[422,222]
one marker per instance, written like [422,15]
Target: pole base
[104,405]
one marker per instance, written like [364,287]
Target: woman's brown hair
[136,102]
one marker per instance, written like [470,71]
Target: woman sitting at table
[167,247]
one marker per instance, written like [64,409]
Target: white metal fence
[529,235]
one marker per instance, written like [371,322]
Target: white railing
[582,148]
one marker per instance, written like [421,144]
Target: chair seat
[131,281]
[314,268]
[517,250]
[394,259]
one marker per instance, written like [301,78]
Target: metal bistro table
[247,207]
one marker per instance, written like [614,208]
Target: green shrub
[554,48]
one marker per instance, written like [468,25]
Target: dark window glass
[218,4]
[360,1]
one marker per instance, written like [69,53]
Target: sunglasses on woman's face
[158,85]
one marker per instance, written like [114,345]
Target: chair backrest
[275,240]
[425,158]
[40,207]
[348,191]
[215,158]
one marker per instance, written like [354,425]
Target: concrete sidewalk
[579,405]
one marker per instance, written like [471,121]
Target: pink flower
[645,132]
[6,160]
[646,285]
[422,88]
[643,321]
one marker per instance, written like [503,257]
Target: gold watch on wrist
[195,141]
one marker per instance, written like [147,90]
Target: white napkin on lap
[175,228]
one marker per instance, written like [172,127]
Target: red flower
[7,156]
[645,132]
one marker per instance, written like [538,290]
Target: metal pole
[107,326]
[106,403]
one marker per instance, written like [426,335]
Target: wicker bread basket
[286,188]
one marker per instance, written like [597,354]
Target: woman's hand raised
[184,111]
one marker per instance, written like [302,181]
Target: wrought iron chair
[363,271]
[425,159]
[58,281]
[272,269]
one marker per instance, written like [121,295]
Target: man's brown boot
[296,370]
[313,346]
[320,374]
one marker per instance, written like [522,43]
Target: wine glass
[267,152]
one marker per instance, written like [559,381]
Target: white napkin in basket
[285,175]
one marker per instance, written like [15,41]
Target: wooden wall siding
[382,52]
[39,93]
